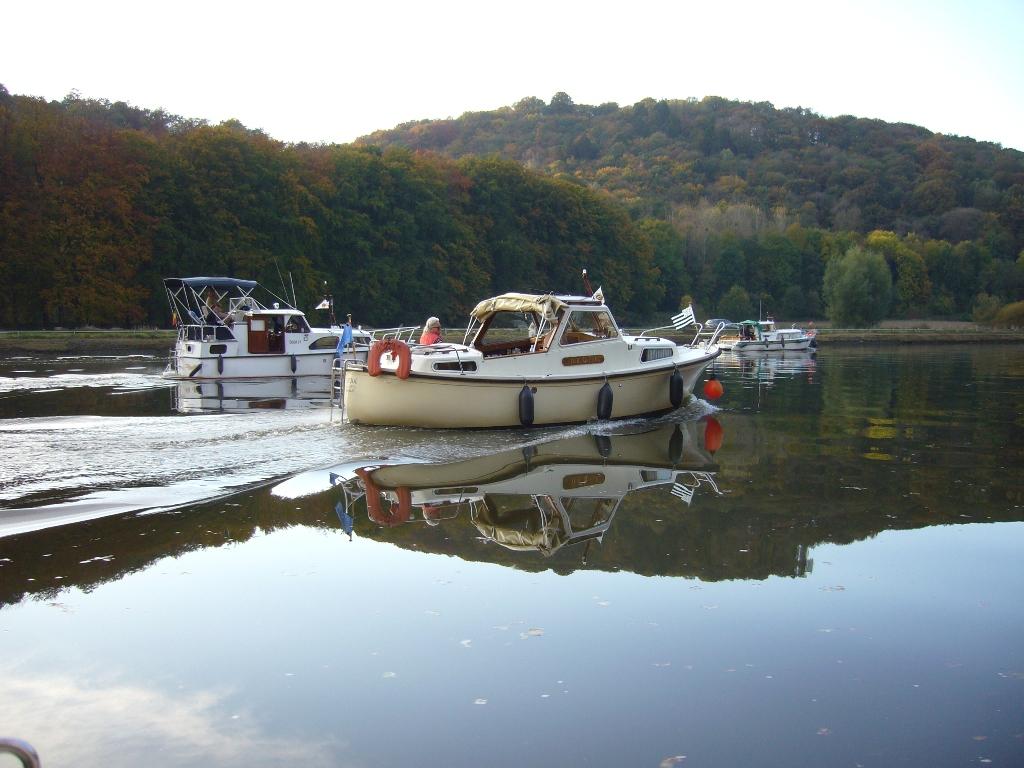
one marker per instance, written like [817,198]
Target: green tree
[736,304]
[985,308]
[858,287]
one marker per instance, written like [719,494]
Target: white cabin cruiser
[527,360]
[226,332]
[764,336]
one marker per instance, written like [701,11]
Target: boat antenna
[586,283]
[295,301]
[284,288]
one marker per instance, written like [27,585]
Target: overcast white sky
[333,71]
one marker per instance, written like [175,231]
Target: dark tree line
[100,201]
[730,205]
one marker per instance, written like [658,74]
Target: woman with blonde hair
[431,331]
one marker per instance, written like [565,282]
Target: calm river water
[823,568]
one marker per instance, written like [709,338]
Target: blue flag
[344,518]
[346,338]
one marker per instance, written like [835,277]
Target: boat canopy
[217,283]
[547,305]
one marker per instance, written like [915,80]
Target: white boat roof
[547,304]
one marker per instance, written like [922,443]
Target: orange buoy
[397,512]
[397,349]
[373,358]
[712,434]
[713,388]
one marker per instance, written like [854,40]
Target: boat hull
[249,366]
[464,402]
[771,346]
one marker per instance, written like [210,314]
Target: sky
[305,70]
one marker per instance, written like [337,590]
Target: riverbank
[827,337]
[119,342]
[87,342]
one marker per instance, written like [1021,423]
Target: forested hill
[844,173]
[729,204]
[99,202]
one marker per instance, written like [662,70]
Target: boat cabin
[266,329]
[516,323]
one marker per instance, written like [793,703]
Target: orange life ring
[398,512]
[394,347]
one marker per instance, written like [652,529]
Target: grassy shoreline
[86,341]
[125,341]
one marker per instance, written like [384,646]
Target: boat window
[657,353]
[257,324]
[652,475]
[507,333]
[297,324]
[467,491]
[218,349]
[584,325]
[224,334]
[325,342]
[455,366]
[582,480]
[587,513]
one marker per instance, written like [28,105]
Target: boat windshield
[589,325]
[508,333]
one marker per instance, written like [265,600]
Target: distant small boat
[527,360]
[764,336]
[227,329]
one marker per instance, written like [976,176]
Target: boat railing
[685,490]
[407,333]
[708,337]
[701,338]
[681,321]
[684,320]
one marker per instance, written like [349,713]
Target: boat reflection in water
[195,396]
[537,498]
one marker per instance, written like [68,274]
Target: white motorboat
[227,329]
[541,497]
[527,360]
[764,336]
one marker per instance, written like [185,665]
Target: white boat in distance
[226,331]
[527,360]
[764,336]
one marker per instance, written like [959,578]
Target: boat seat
[545,341]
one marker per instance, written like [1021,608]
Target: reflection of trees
[944,423]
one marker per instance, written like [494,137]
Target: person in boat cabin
[214,311]
[431,331]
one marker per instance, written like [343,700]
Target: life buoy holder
[397,349]
[398,512]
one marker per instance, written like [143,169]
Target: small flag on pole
[325,304]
